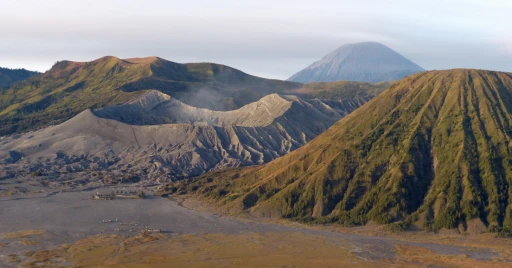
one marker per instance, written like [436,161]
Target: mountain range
[107,114]
[430,152]
[362,62]
[160,138]
[68,88]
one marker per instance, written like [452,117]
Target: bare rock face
[157,136]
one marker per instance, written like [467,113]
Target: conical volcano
[433,151]
[361,62]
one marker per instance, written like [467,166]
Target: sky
[268,38]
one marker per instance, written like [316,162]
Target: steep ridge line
[68,88]
[156,137]
[159,108]
[430,152]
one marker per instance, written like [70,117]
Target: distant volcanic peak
[379,54]
[431,151]
[346,49]
[363,62]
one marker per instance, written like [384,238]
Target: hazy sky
[273,38]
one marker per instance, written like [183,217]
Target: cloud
[268,38]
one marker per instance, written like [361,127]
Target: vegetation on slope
[11,76]
[433,151]
[71,87]
[342,90]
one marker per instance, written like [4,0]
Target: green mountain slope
[68,88]
[432,151]
[71,87]
[11,76]
[341,90]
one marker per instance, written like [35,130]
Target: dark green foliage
[398,226]
[249,200]
[11,76]
[342,90]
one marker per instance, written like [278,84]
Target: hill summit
[362,62]
[432,151]
[69,87]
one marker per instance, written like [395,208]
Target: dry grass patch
[47,258]
[13,258]
[6,193]
[208,250]
[27,253]
[427,257]
[22,234]
[240,250]
[29,242]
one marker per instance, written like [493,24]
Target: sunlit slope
[433,150]
[71,87]
[342,90]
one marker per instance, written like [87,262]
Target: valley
[47,228]
[323,172]
[279,134]
[333,173]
